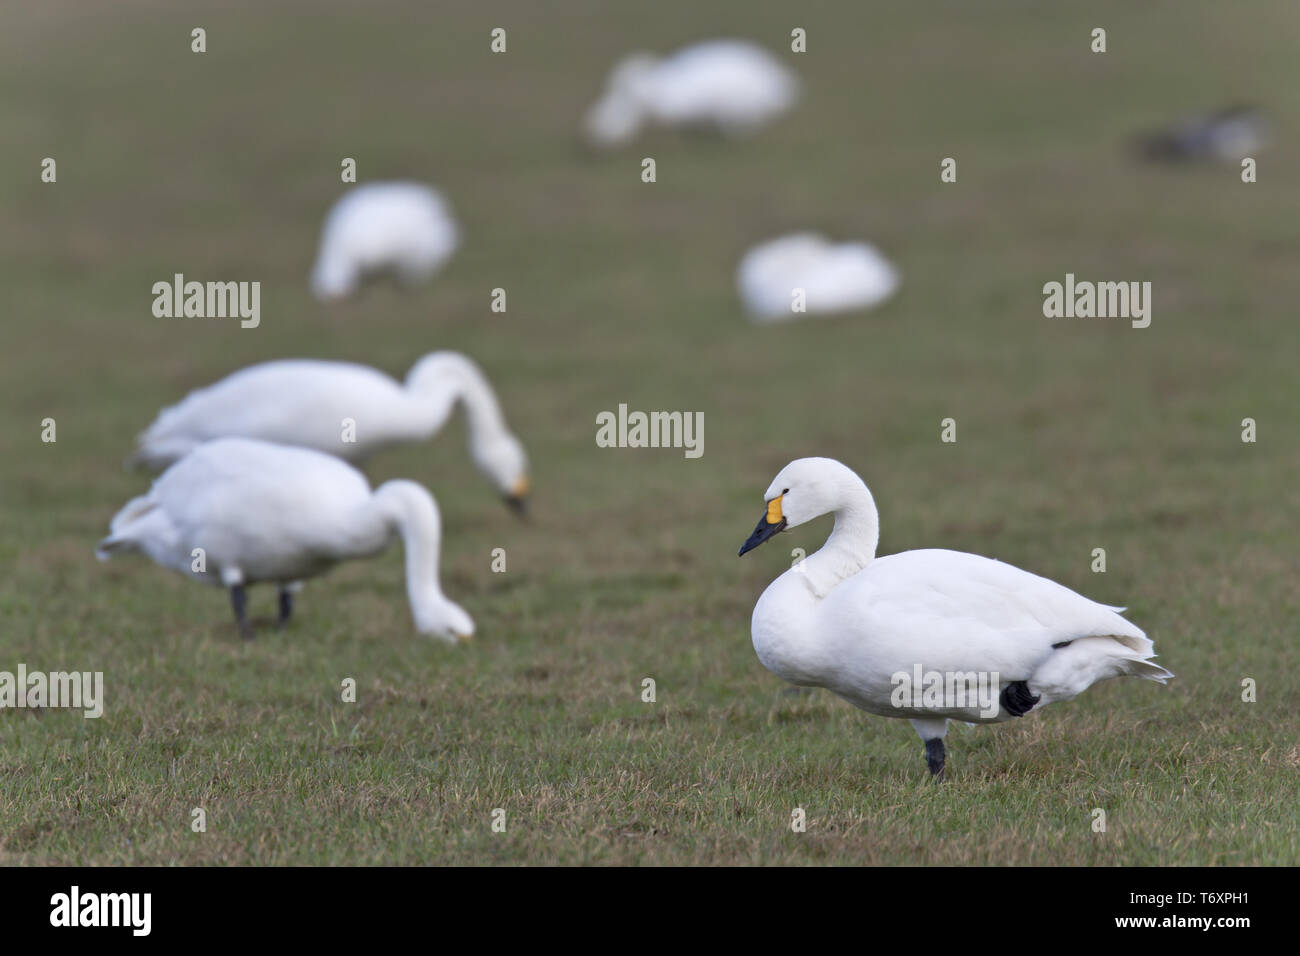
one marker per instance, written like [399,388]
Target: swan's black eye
[786,492]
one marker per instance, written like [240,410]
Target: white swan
[730,85]
[401,227]
[311,403]
[263,512]
[833,278]
[848,621]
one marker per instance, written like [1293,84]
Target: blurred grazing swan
[848,621]
[834,278]
[728,85]
[402,228]
[305,402]
[264,512]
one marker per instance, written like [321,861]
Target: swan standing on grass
[402,228]
[848,621]
[310,403]
[833,278]
[263,512]
[731,86]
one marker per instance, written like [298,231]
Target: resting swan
[401,228]
[831,277]
[851,622]
[263,512]
[309,403]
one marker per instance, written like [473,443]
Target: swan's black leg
[286,606]
[1017,699]
[934,755]
[239,601]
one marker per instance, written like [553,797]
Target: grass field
[1072,435]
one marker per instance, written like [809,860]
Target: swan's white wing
[951,611]
[272,511]
[297,402]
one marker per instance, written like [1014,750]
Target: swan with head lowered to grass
[236,512]
[401,228]
[730,86]
[929,635]
[347,410]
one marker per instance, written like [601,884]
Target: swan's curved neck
[439,380]
[409,510]
[852,542]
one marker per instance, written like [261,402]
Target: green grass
[1071,435]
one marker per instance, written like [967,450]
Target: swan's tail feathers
[134,509]
[1149,670]
[1132,658]
[111,545]
[1140,646]
[155,454]
[1121,629]
[1075,666]
[333,277]
[176,432]
[121,536]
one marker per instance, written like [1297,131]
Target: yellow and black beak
[770,524]
[517,499]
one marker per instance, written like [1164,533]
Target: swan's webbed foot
[286,607]
[934,755]
[239,601]
[1017,699]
